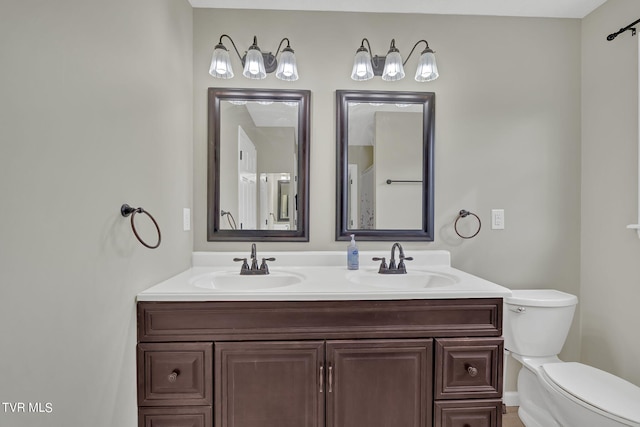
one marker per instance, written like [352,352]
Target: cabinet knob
[472,371]
[173,376]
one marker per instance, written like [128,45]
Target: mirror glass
[385,165]
[258,165]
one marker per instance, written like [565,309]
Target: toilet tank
[537,321]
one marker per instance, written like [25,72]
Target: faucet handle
[245,265]
[403,259]
[263,266]
[383,263]
[383,259]
[401,265]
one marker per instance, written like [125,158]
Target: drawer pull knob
[472,371]
[173,376]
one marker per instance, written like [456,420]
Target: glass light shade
[287,68]
[427,68]
[221,63]
[393,69]
[254,65]
[362,69]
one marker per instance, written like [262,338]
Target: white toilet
[554,393]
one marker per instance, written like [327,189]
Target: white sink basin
[233,281]
[413,279]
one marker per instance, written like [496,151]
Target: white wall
[610,271]
[507,129]
[95,111]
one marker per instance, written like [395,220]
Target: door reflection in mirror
[264,147]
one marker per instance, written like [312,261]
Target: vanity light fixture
[255,62]
[391,66]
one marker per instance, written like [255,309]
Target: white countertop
[316,276]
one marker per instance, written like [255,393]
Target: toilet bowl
[554,393]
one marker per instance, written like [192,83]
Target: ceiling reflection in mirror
[258,175]
[385,154]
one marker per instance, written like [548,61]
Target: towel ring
[463,214]
[127,210]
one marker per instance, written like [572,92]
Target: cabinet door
[175,416]
[269,384]
[468,368]
[469,413]
[174,374]
[379,383]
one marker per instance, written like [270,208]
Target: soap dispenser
[353,260]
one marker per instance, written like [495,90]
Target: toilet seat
[589,386]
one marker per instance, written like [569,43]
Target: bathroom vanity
[327,348]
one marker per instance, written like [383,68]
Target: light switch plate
[497,219]
[186,219]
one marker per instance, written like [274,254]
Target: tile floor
[510,419]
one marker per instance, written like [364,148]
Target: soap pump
[353,261]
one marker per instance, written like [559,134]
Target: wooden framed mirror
[258,140]
[385,165]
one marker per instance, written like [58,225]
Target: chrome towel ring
[463,214]
[127,210]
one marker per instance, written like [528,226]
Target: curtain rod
[622,30]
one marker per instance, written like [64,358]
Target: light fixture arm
[414,48]
[375,59]
[232,43]
[280,45]
[362,44]
[271,59]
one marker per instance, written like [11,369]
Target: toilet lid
[541,298]
[597,388]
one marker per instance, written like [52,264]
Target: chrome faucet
[254,270]
[392,268]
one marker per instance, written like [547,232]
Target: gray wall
[610,272]
[95,111]
[507,129]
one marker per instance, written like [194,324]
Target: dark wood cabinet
[269,384]
[379,383]
[410,363]
[175,384]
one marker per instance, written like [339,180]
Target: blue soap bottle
[353,259]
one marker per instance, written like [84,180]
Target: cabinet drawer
[470,413]
[191,416]
[468,368]
[175,374]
